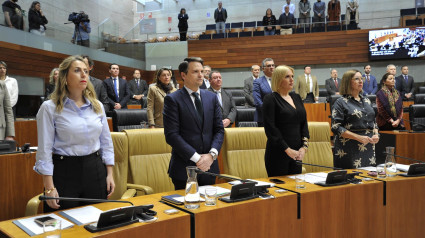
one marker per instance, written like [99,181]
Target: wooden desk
[18,184]
[253,218]
[177,225]
[406,144]
[341,211]
[26,131]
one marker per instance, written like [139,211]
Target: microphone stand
[44,198]
[407,158]
[316,165]
[415,170]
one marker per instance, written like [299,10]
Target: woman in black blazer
[36,19]
[183,17]
[269,23]
[285,124]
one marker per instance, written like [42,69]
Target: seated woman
[285,124]
[75,153]
[269,23]
[390,105]
[353,124]
[53,80]
[156,97]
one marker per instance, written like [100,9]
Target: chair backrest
[149,158]
[372,98]
[247,124]
[236,92]
[319,147]
[128,119]
[417,117]
[407,11]
[323,92]
[244,115]
[236,25]
[244,150]
[332,100]
[420,98]
[239,101]
[218,36]
[421,90]
[249,24]
[120,169]
[210,27]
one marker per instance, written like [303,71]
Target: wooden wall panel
[297,49]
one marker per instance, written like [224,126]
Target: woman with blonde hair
[353,124]
[156,97]
[75,152]
[53,78]
[285,124]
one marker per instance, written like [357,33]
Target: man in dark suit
[117,89]
[100,90]
[228,107]
[332,83]
[286,21]
[193,126]
[248,85]
[398,83]
[408,83]
[206,81]
[138,89]
[262,87]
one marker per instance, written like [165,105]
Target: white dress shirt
[311,81]
[207,82]
[291,8]
[12,88]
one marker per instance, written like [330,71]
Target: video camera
[77,18]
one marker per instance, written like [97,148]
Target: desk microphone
[415,170]
[316,165]
[44,198]
[198,171]
[338,177]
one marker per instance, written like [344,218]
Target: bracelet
[48,191]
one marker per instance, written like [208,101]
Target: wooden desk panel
[18,184]
[406,144]
[253,218]
[177,225]
[318,112]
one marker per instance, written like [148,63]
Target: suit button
[61,157]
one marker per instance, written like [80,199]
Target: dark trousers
[202,180]
[78,177]
[309,98]
[85,43]
[183,33]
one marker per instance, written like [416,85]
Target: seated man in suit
[228,107]
[138,88]
[262,87]
[332,83]
[206,81]
[398,83]
[248,85]
[97,84]
[286,21]
[306,86]
[193,126]
[117,89]
[408,83]
[370,86]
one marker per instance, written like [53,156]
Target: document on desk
[220,191]
[82,215]
[314,177]
[401,167]
[259,183]
[31,228]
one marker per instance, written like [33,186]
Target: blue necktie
[117,98]
[138,83]
[199,107]
[406,78]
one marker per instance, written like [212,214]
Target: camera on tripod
[77,18]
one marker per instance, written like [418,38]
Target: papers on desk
[220,191]
[314,177]
[259,183]
[31,228]
[82,215]
[401,167]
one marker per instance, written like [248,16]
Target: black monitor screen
[401,43]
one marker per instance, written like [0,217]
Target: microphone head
[42,198]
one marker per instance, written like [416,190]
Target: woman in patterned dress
[353,123]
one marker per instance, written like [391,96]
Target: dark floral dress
[359,118]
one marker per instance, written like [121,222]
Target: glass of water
[210,196]
[300,181]
[380,172]
[53,229]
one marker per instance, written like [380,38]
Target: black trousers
[309,98]
[78,177]
[183,33]
[202,180]
[85,43]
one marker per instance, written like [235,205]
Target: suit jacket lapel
[191,107]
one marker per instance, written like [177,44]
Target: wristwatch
[213,154]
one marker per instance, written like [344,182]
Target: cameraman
[82,36]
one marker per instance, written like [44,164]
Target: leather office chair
[372,99]
[319,147]
[239,101]
[244,115]
[149,157]
[421,90]
[323,92]
[236,92]
[419,98]
[247,124]
[332,99]
[417,115]
[128,119]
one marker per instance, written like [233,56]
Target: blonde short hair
[52,73]
[278,75]
[345,85]
[61,90]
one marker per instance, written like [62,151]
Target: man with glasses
[262,87]
[306,86]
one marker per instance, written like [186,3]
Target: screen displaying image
[398,43]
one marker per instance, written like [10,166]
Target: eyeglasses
[270,66]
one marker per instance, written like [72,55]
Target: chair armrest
[129,194]
[231,176]
[146,189]
[32,206]
[303,170]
